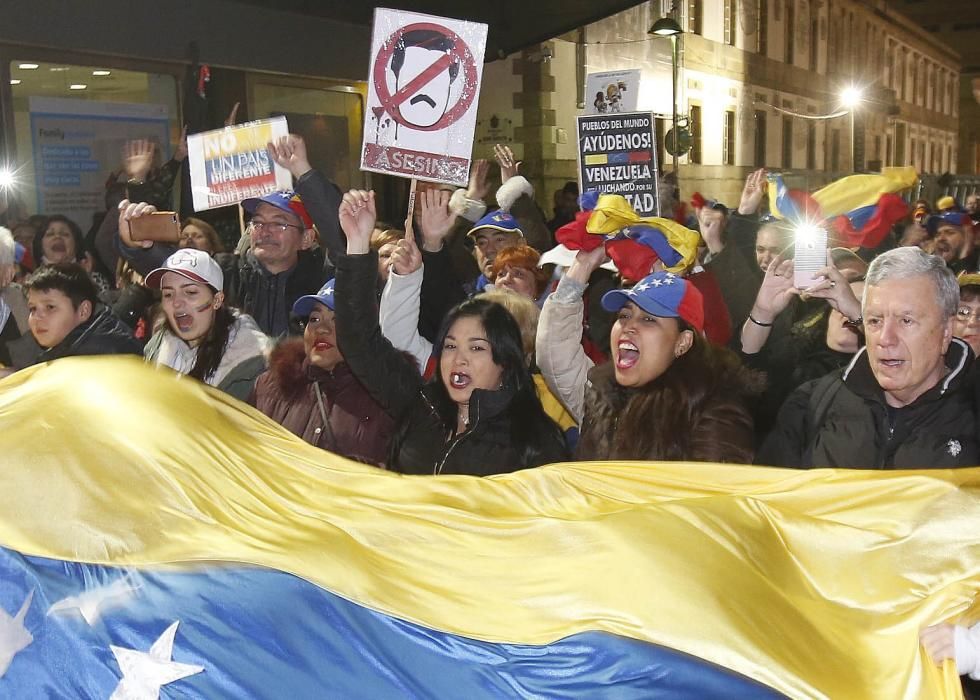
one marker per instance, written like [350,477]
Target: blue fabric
[304,305]
[265,634]
[859,217]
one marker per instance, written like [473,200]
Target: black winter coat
[423,443]
[842,420]
[102,334]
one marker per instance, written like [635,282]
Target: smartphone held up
[160,227]
[809,255]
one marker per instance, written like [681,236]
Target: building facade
[760,85]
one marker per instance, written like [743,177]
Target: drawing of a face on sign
[424,62]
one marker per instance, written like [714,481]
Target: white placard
[612,91]
[231,164]
[423,92]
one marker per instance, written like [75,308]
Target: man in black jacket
[282,264]
[907,400]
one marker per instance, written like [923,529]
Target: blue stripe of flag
[265,634]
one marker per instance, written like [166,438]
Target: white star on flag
[90,602]
[13,635]
[145,672]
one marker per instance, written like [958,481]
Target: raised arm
[560,357]
[390,377]
[399,310]
[320,196]
[516,196]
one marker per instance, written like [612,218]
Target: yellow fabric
[613,213]
[552,405]
[854,191]
[815,583]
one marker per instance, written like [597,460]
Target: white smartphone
[809,255]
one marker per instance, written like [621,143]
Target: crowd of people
[476,344]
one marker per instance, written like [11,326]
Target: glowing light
[28,66]
[14,81]
[6,179]
[851,97]
[101,72]
[77,86]
[808,234]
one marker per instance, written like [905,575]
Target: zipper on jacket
[459,439]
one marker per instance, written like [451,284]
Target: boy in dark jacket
[66,318]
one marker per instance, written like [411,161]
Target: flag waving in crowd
[238,561]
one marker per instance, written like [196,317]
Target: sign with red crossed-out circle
[438,147]
[459,54]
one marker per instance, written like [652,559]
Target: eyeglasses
[965,313]
[269,227]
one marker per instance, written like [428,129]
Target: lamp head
[665,26]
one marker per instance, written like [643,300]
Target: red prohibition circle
[460,52]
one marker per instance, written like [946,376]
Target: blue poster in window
[76,144]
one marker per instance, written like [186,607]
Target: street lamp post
[665,26]
[850,98]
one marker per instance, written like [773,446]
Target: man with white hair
[13,304]
[907,399]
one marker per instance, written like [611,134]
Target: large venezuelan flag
[158,536]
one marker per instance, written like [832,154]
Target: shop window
[70,124]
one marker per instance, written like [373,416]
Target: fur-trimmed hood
[698,410]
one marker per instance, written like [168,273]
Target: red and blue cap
[950,217]
[287,200]
[304,305]
[661,294]
[497,221]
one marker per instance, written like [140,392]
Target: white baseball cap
[195,265]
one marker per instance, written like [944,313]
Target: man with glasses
[967,324]
[266,280]
[908,398]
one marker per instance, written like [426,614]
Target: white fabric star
[642,287]
[328,292]
[145,672]
[13,635]
[657,283]
[670,275]
[668,281]
[90,602]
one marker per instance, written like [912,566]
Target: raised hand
[586,262]
[755,188]
[776,291]
[137,158]
[479,187]
[127,212]
[712,231]
[181,151]
[358,213]
[435,218]
[232,115]
[290,153]
[505,159]
[406,258]
[836,290]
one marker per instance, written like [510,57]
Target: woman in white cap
[203,337]
[667,393]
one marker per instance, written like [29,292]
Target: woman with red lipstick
[667,393]
[202,337]
[480,414]
[311,391]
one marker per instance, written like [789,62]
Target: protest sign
[612,92]
[231,164]
[618,155]
[76,143]
[422,96]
